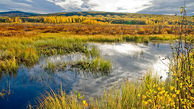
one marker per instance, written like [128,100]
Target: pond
[129,61]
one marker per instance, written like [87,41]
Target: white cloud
[131,6]
[29,0]
[68,5]
[104,5]
[113,5]
[169,7]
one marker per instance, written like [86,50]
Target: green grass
[28,50]
[50,67]
[95,67]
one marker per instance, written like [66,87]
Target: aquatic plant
[94,52]
[4,92]
[94,67]
[50,67]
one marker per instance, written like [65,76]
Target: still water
[130,61]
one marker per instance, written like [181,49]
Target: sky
[129,6]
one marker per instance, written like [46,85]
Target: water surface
[130,61]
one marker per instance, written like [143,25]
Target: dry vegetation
[84,29]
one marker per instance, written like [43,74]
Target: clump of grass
[8,65]
[4,92]
[148,38]
[94,52]
[97,66]
[51,67]
[62,101]
[100,65]
[30,57]
[137,39]
[105,66]
[60,46]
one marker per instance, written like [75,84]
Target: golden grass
[150,93]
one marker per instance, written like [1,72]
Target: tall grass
[61,101]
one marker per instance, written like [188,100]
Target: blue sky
[130,6]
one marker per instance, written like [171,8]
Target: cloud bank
[169,7]
[130,6]
[102,5]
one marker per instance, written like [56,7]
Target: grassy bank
[27,50]
[116,38]
[150,93]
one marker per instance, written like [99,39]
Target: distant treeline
[132,19]
[73,19]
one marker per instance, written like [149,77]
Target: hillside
[17,14]
[90,13]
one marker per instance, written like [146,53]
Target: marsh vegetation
[91,54]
